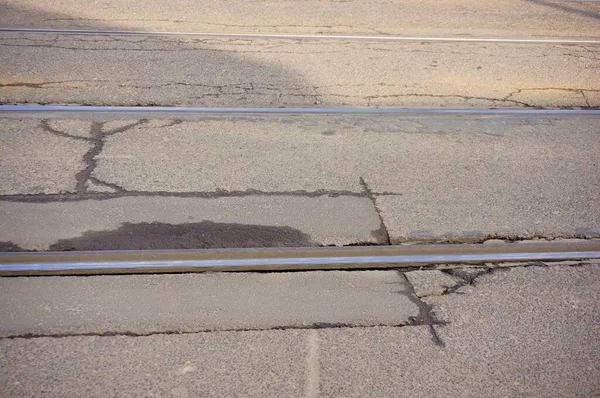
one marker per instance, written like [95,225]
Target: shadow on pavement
[567,8]
[137,70]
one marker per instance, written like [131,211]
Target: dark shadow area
[10,247]
[154,70]
[569,9]
[203,235]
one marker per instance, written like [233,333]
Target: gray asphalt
[513,18]
[315,180]
[151,304]
[517,331]
[95,182]
[111,70]
[174,222]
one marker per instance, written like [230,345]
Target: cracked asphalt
[519,330]
[112,70]
[514,18]
[362,179]
[90,181]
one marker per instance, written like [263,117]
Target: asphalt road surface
[459,18]
[97,180]
[518,331]
[344,179]
[103,69]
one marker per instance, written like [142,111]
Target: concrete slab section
[252,364]
[394,154]
[265,154]
[33,161]
[554,298]
[433,178]
[145,304]
[523,332]
[533,181]
[475,178]
[61,69]
[158,222]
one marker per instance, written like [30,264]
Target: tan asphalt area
[113,181]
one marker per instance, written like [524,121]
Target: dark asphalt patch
[203,235]
[10,247]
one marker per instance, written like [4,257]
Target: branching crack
[426,315]
[97,135]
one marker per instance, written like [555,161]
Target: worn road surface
[115,70]
[459,18]
[101,180]
[330,180]
[504,331]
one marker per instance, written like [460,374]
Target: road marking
[312,364]
[170,110]
[286,36]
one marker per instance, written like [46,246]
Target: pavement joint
[89,158]
[314,326]
[219,193]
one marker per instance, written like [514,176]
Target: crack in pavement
[383,233]
[51,84]
[426,315]
[314,94]
[469,275]
[219,193]
[313,326]
[580,91]
[96,138]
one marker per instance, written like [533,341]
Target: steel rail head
[62,109]
[171,261]
[290,36]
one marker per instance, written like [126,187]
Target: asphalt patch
[10,247]
[203,235]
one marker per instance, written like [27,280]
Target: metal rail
[286,36]
[369,257]
[154,110]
